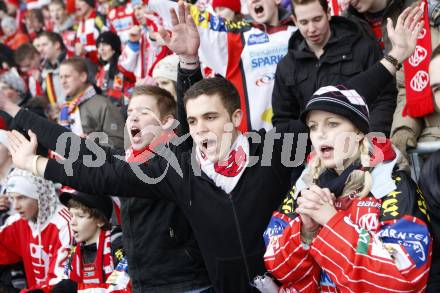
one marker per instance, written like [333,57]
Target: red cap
[234,5]
[16,3]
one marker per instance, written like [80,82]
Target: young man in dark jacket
[229,189]
[326,51]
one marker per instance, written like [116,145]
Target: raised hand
[184,39]
[22,150]
[404,35]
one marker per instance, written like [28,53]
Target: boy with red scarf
[91,264]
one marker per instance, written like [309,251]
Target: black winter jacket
[161,250]
[349,51]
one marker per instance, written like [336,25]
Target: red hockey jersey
[379,243]
[43,250]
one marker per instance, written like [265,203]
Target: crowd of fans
[218,146]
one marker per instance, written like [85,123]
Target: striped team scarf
[72,106]
[103,263]
[419,100]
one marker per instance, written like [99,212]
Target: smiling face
[211,126]
[27,207]
[264,11]
[143,121]
[334,138]
[313,23]
[84,227]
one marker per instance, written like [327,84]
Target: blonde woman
[351,223]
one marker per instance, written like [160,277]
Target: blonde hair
[357,180]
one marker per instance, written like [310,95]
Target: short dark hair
[215,86]
[53,38]
[93,213]
[323,3]
[24,51]
[165,101]
[435,52]
[78,63]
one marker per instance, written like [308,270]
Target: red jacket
[375,245]
[43,257]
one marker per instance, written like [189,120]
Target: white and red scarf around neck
[419,100]
[227,173]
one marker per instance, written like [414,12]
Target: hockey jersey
[379,243]
[120,20]
[87,33]
[243,52]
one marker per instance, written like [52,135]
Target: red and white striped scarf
[103,262]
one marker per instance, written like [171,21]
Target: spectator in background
[13,36]
[430,184]
[228,9]
[113,83]
[12,7]
[59,17]
[165,74]
[121,19]
[63,24]
[38,234]
[89,27]
[326,50]
[13,87]
[375,13]
[28,60]
[85,110]
[53,52]
[143,49]
[434,12]
[34,22]
[6,57]
[245,53]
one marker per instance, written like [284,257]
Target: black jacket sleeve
[370,82]
[285,107]
[382,109]
[185,79]
[155,179]
[49,133]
